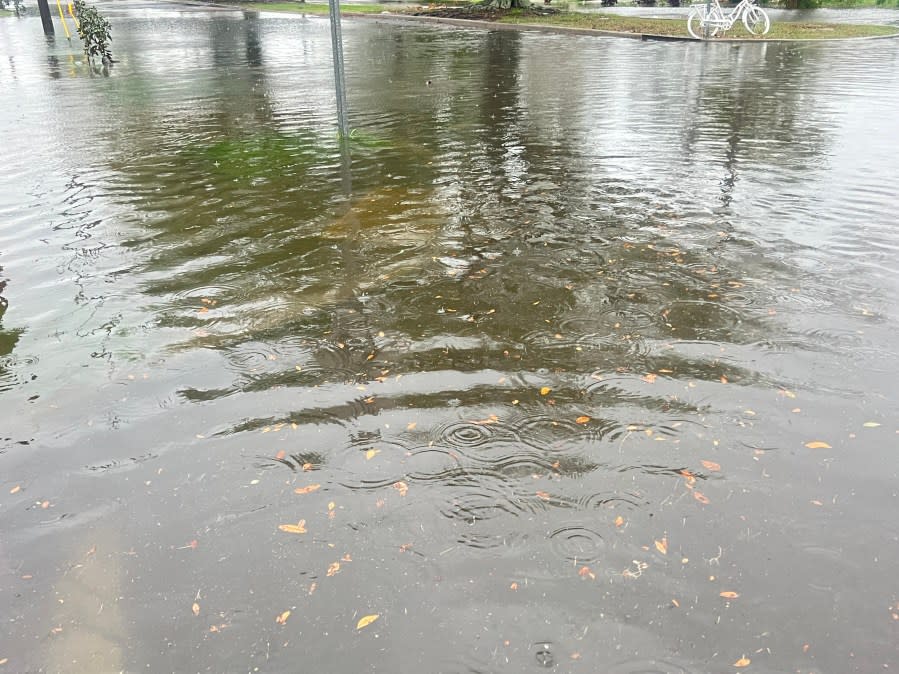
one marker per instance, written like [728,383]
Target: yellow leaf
[582,420]
[742,662]
[308,489]
[371,453]
[545,391]
[282,619]
[619,521]
[298,528]
[650,378]
[662,546]
[366,621]
[331,506]
[870,424]
[333,569]
[711,465]
[817,444]
[730,595]
[195,608]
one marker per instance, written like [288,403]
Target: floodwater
[584,359]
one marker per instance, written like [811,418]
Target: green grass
[619,24]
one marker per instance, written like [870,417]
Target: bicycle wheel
[756,21]
[695,27]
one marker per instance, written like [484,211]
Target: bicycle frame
[711,18]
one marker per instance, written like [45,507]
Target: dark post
[46,19]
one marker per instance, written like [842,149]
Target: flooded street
[583,359]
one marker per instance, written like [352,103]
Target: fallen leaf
[371,453]
[333,569]
[307,489]
[870,424]
[513,586]
[676,603]
[543,495]
[662,546]
[366,621]
[195,608]
[650,378]
[582,420]
[619,521]
[312,587]
[16,489]
[711,465]
[308,466]
[817,444]
[742,662]
[281,454]
[298,528]
[401,487]
[585,572]
[545,391]
[729,595]
[702,498]
[331,506]
[723,379]
[4,661]
[282,619]
[45,504]
[575,656]
[411,426]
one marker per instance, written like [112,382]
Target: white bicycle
[707,18]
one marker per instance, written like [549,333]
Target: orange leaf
[730,595]
[585,572]
[298,528]
[513,586]
[650,378]
[401,487]
[742,662]
[619,521]
[308,467]
[817,444]
[333,569]
[543,495]
[307,489]
[723,379]
[711,465]
[16,489]
[195,608]
[702,498]
[282,619]
[281,454]
[366,621]
[662,546]
[582,420]
[545,391]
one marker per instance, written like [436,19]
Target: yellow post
[72,14]
[62,17]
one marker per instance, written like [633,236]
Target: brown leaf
[742,662]
[817,444]
[662,545]
[365,621]
[730,595]
[307,489]
[711,465]
[298,528]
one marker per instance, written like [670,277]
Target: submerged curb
[547,28]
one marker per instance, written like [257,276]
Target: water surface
[584,359]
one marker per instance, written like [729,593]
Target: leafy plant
[93,29]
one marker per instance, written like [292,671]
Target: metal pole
[339,81]
[46,19]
